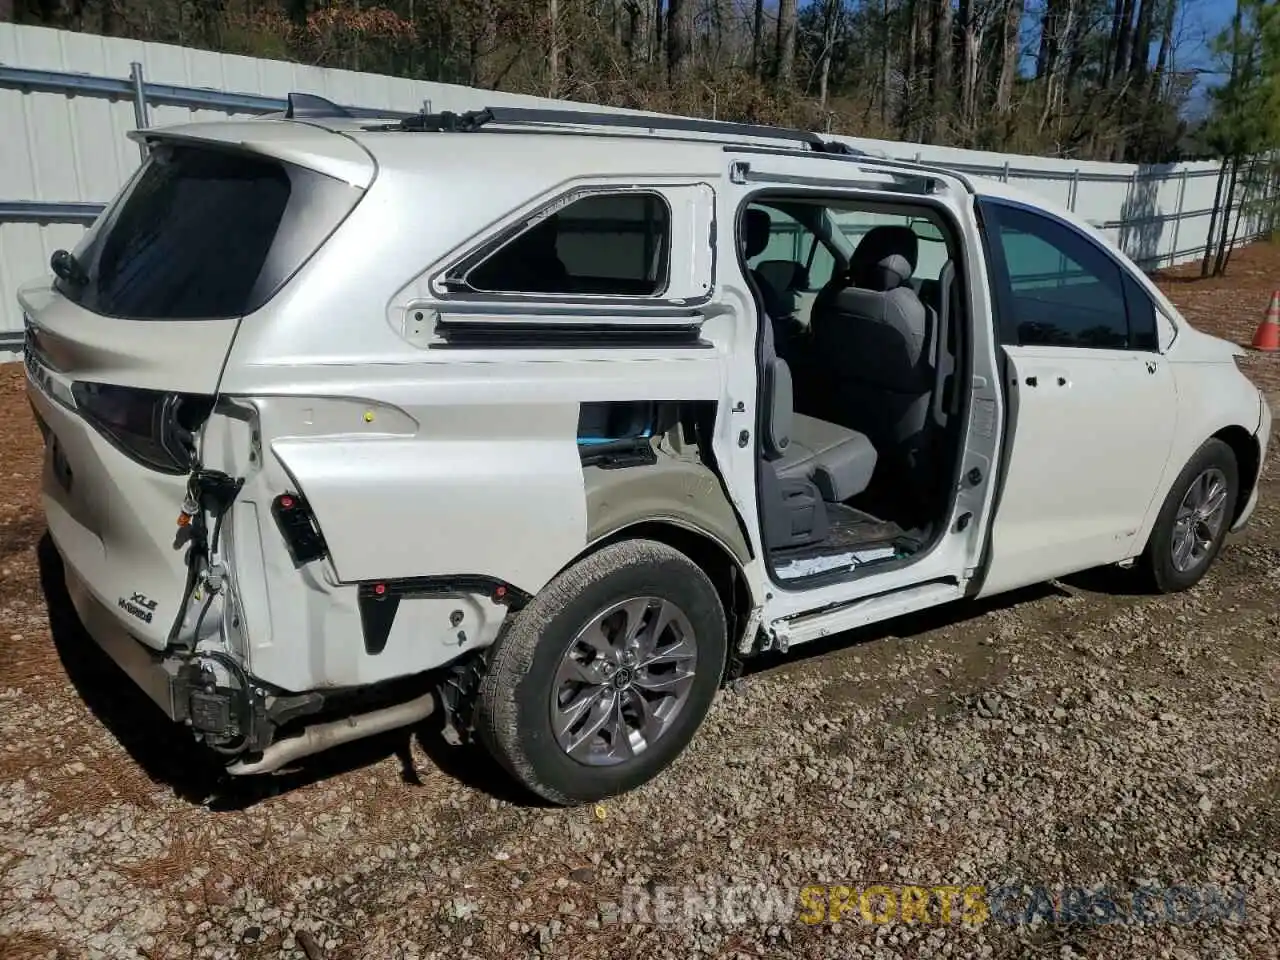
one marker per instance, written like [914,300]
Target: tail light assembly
[154,428]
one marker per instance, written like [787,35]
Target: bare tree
[1105,81]
[1010,48]
[940,77]
[680,37]
[786,45]
[757,38]
[553,53]
[830,18]
[970,30]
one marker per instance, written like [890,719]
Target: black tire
[1156,565]
[513,718]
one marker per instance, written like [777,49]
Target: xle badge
[138,606]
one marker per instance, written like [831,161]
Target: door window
[1062,289]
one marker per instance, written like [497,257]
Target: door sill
[866,610]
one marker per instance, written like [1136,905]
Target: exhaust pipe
[325,735]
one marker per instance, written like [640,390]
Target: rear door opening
[126,348]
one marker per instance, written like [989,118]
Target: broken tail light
[154,428]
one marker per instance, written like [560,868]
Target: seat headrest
[889,274]
[885,258]
[755,232]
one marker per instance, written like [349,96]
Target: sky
[1201,21]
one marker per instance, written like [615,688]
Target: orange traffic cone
[1268,335]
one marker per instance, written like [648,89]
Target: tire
[528,662]
[1158,565]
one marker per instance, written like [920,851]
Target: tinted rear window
[204,233]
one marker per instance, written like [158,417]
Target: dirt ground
[1072,735]
[1232,306]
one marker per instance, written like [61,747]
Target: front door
[1091,401]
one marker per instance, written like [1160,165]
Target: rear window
[203,233]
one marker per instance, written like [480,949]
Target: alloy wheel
[1199,520]
[623,680]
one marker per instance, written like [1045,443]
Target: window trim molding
[441,282]
[995,255]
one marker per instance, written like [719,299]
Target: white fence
[68,99]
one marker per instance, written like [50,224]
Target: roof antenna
[307,106]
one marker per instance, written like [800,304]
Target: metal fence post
[1004,174]
[140,115]
[1177,215]
[1272,193]
[1075,189]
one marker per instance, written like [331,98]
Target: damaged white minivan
[548,420]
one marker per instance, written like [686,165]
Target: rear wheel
[605,677]
[1194,520]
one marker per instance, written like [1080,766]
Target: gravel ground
[1070,735]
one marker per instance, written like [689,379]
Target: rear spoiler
[302,144]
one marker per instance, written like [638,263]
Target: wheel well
[1246,452]
[718,564]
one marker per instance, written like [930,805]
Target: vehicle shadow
[1110,581]
[168,754]
[162,749]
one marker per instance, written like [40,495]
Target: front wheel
[1194,520]
[605,677]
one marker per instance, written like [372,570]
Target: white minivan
[547,420]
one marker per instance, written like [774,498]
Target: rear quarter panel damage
[411,486]
[494,490]
[678,489]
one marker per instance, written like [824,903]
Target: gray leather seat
[872,333]
[774,279]
[756,227]
[806,463]
[840,462]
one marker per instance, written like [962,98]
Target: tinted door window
[610,244]
[1064,290]
[205,233]
[1142,316]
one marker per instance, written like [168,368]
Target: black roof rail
[475,119]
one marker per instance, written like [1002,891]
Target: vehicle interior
[860,424]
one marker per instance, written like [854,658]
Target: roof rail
[475,119]
[925,165]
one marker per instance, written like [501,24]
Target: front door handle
[1053,377]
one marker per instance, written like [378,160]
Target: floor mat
[854,538]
